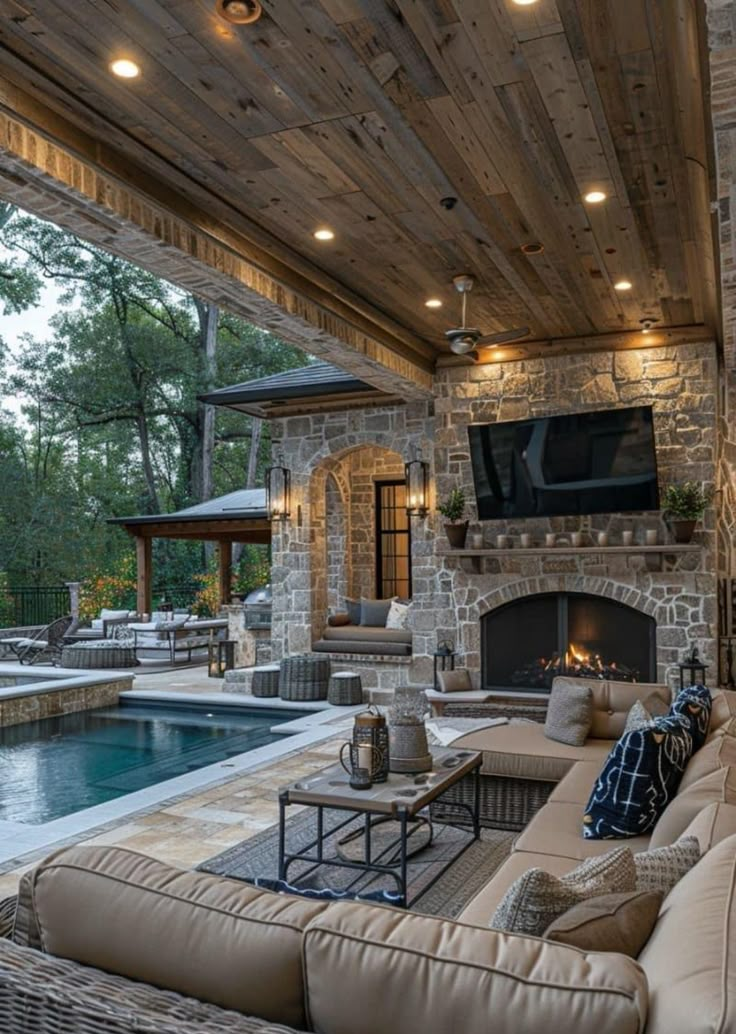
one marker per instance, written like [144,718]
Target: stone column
[74,588]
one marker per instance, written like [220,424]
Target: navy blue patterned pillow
[694,703]
[638,780]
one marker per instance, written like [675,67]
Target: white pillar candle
[365,758]
[627,538]
[526,540]
[550,538]
[602,538]
[502,541]
[576,538]
[651,537]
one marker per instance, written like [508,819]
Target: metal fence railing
[33,605]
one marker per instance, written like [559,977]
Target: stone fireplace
[526,643]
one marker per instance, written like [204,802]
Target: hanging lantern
[416,473]
[278,491]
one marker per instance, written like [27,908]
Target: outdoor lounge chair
[45,645]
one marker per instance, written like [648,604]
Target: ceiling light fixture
[240,12]
[124,68]
[433,303]
[594,197]
[623,285]
[647,323]
[324,234]
[524,3]
[532,248]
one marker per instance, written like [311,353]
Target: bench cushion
[215,939]
[521,750]
[381,969]
[367,634]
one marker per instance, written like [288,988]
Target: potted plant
[453,510]
[684,505]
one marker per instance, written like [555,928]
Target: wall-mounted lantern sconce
[416,473]
[278,491]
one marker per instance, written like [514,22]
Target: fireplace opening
[525,644]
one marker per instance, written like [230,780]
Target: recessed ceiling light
[525,3]
[324,234]
[241,12]
[623,285]
[594,197]
[532,248]
[433,303]
[124,68]
[647,323]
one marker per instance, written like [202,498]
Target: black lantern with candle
[370,730]
[444,659]
[695,667]
[221,657]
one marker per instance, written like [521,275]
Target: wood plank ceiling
[362,115]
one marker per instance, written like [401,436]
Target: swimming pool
[56,766]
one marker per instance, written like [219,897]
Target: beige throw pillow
[660,869]
[537,898]
[569,713]
[612,922]
[718,786]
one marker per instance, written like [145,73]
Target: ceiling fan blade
[503,336]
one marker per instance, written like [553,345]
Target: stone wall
[450,594]
[31,707]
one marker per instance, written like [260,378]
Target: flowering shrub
[206,602]
[116,590]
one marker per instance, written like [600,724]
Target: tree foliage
[110,420]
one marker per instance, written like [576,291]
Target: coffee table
[400,799]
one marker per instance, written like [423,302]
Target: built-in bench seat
[365,639]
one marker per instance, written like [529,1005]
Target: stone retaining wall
[65,700]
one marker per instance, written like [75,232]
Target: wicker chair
[44,645]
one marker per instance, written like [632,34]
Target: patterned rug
[257,858]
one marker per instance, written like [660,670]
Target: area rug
[257,859]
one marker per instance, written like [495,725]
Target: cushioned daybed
[366,639]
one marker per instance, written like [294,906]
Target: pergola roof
[310,388]
[236,517]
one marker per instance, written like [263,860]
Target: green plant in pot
[453,510]
[684,504]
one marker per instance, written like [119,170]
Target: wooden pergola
[236,517]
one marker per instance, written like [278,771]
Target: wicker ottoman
[345,690]
[99,653]
[266,681]
[304,678]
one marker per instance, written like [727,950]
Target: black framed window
[393,541]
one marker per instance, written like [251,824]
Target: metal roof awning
[316,387]
[238,517]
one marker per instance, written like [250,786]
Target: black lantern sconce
[416,474]
[444,659]
[278,491]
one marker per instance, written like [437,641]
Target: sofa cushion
[718,786]
[712,825]
[479,909]
[611,922]
[569,714]
[694,705]
[215,939]
[457,681]
[521,750]
[689,957]
[724,709]
[574,788]
[379,969]
[612,702]
[718,752]
[638,780]
[660,868]
[537,898]
[556,829]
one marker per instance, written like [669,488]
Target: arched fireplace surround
[528,641]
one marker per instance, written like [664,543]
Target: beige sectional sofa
[254,961]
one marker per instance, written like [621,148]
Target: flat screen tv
[600,462]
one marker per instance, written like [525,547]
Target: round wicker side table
[266,681]
[304,678]
[346,689]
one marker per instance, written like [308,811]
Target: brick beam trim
[52,182]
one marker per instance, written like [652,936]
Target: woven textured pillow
[660,869]
[569,714]
[537,898]
[694,704]
[637,718]
[638,780]
[124,634]
[397,615]
[612,922]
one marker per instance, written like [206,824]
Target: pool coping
[18,839]
[72,678]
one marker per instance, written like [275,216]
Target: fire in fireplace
[527,643]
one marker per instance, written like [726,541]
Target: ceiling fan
[464,339]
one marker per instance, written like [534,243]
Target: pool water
[57,766]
